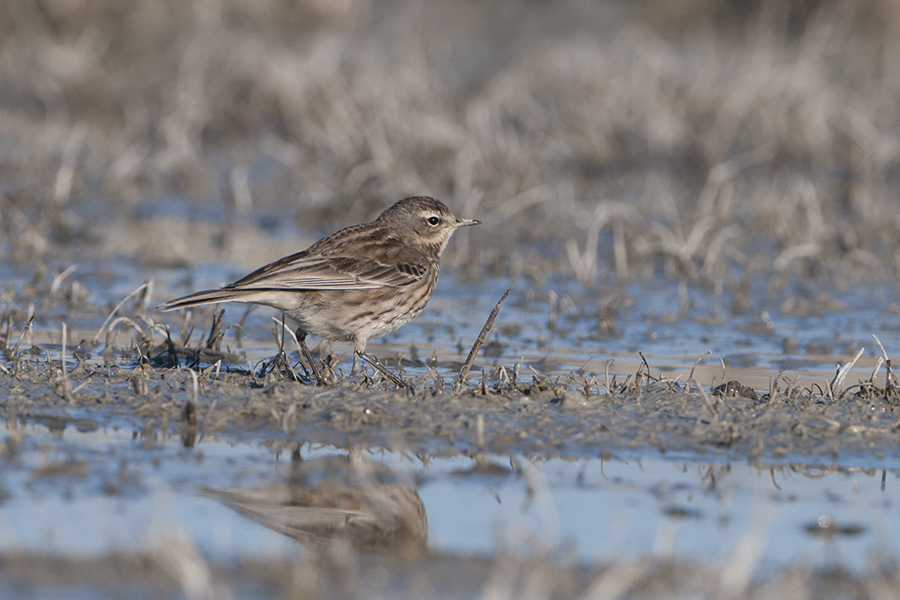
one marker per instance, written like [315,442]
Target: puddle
[111,491]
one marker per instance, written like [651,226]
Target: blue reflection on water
[605,510]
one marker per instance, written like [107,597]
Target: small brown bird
[359,283]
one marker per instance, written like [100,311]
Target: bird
[356,284]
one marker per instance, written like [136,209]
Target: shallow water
[97,492]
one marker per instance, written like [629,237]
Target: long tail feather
[208,297]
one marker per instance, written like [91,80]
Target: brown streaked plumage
[359,283]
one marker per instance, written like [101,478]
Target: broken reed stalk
[195,394]
[103,327]
[834,388]
[462,377]
[57,281]
[890,379]
[216,333]
[25,330]
[691,376]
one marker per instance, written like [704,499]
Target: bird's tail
[209,297]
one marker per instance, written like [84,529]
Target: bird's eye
[433,220]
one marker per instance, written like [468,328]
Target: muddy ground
[572,416]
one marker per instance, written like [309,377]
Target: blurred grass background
[707,140]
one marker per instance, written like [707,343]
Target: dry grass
[645,150]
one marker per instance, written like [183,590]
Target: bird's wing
[306,271]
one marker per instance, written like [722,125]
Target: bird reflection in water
[335,499]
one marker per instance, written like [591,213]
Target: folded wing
[303,271]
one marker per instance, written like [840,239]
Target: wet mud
[575,416]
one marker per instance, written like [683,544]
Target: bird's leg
[381,368]
[301,339]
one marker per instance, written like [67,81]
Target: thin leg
[301,338]
[381,368]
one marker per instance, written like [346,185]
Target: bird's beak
[466,222]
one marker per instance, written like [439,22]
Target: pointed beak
[466,222]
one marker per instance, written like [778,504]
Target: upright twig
[25,331]
[463,376]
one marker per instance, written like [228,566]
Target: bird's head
[426,220]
